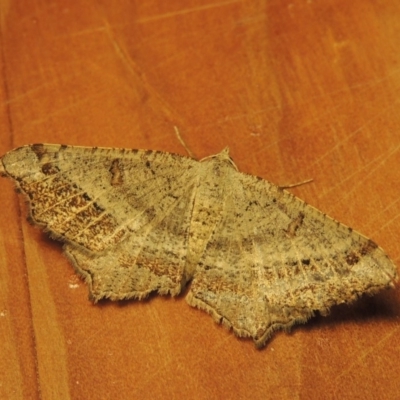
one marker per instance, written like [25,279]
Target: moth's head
[222,157]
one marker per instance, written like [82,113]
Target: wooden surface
[297,89]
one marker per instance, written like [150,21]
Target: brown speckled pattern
[136,221]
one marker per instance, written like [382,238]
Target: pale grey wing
[97,197]
[152,259]
[122,213]
[274,260]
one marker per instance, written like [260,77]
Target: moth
[139,221]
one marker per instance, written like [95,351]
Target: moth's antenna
[295,184]
[178,135]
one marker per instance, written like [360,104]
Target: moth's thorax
[215,176]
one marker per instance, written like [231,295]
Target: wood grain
[296,89]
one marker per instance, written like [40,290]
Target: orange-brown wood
[297,89]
